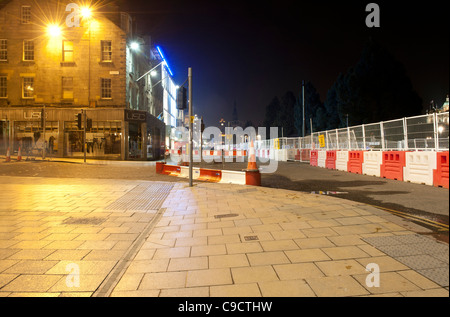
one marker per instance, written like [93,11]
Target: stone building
[58,59]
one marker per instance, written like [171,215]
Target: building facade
[58,59]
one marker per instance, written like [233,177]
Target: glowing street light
[86,12]
[134,46]
[54,30]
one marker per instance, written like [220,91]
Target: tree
[271,114]
[376,89]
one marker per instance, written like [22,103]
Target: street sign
[322,140]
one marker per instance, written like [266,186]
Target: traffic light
[78,120]
[182,98]
[88,124]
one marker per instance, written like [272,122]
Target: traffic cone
[8,156]
[19,155]
[251,166]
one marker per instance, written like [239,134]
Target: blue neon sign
[165,61]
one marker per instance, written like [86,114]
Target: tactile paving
[143,197]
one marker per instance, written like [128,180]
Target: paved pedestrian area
[91,237]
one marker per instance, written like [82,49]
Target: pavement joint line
[113,278]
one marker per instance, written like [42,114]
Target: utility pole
[43,129]
[84,133]
[303,102]
[190,126]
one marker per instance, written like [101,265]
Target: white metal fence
[425,132]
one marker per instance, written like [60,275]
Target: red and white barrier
[419,167]
[441,174]
[341,160]
[393,164]
[209,175]
[321,158]
[372,163]
[355,161]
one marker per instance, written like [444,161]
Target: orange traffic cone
[8,156]
[251,166]
[19,155]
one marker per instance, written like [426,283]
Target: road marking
[438,225]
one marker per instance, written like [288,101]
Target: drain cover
[251,238]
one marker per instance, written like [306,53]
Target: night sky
[252,51]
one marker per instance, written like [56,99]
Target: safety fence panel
[373,136]
[394,137]
[356,136]
[442,131]
[420,132]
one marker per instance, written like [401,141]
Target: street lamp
[85,12]
[54,30]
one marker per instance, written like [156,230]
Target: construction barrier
[297,155]
[246,177]
[342,160]
[210,175]
[313,158]
[305,155]
[330,161]
[355,161]
[392,165]
[172,170]
[419,167]
[233,177]
[372,163]
[321,158]
[440,175]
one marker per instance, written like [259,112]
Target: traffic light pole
[191,156]
[84,133]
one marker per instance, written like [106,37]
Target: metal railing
[424,132]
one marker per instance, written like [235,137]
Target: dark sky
[251,51]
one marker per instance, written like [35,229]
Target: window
[28,50]
[3,87]
[3,50]
[68,51]
[28,87]
[106,88]
[106,51]
[67,88]
[26,14]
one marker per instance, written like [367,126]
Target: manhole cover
[83,221]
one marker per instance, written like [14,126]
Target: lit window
[106,51]
[67,88]
[28,50]
[27,87]
[26,14]
[106,88]
[3,87]
[3,50]
[67,51]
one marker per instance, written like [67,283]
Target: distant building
[51,70]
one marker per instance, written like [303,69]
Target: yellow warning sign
[322,140]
